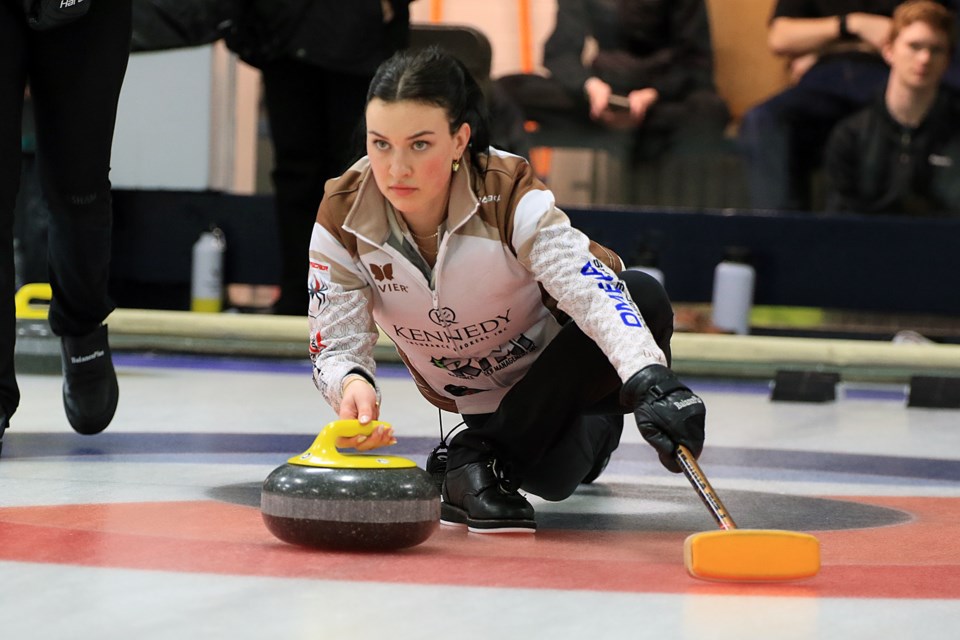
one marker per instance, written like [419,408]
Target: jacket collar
[463,199]
[367,217]
[937,113]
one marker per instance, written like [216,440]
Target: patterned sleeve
[342,331]
[585,289]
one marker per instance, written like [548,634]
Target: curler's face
[411,152]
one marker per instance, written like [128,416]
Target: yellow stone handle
[30,293]
[324,453]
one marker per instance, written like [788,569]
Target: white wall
[186,121]
[163,121]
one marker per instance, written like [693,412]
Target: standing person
[652,76]
[75,71]
[901,155]
[317,58]
[833,48]
[495,302]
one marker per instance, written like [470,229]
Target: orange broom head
[752,555]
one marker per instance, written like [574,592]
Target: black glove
[667,412]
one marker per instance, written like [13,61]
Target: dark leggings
[75,73]
[550,427]
[314,115]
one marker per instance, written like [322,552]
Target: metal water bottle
[206,275]
[733,282]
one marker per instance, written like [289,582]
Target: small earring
[455,166]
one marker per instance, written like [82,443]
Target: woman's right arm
[342,331]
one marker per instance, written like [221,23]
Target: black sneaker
[90,391]
[475,496]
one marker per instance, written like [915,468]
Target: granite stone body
[350,509]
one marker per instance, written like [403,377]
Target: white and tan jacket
[509,267]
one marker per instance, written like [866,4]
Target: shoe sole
[451,516]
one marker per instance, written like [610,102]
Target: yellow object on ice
[752,555]
[28,297]
[324,453]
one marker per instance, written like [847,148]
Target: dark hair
[433,76]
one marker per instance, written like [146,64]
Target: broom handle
[699,481]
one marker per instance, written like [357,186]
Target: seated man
[835,63]
[652,74]
[901,155]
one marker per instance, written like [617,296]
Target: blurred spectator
[901,155]
[833,49]
[172,24]
[317,58]
[652,73]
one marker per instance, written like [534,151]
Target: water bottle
[733,282]
[206,275]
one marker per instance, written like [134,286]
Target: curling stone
[327,499]
[37,349]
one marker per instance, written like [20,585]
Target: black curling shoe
[90,391]
[475,496]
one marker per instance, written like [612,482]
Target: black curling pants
[551,426]
[75,73]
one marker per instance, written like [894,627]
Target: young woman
[502,311]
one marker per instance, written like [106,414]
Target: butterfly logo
[384,272]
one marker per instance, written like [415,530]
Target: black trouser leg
[75,73]
[564,465]
[13,53]
[543,412]
[76,107]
